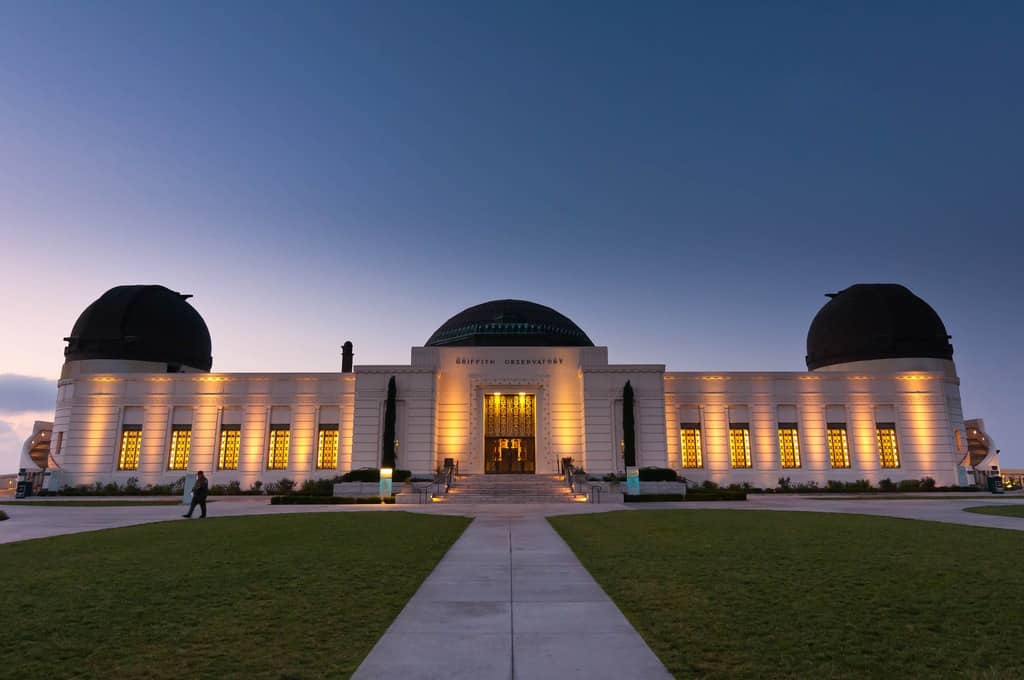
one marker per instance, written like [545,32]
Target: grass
[89,504]
[747,594]
[1005,510]
[287,596]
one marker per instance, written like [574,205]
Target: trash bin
[995,484]
[23,490]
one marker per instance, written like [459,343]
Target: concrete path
[510,600]
[28,521]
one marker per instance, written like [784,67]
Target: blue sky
[683,180]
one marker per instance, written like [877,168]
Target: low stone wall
[662,487]
[357,489]
[603,492]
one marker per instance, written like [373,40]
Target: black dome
[875,321]
[141,323]
[509,323]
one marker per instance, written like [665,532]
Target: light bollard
[385,483]
[633,481]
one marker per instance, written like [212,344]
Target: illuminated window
[789,445]
[689,440]
[277,451]
[739,445]
[888,449]
[181,446]
[131,447]
[957,435]
[327,448]
[838,445]
[230,443]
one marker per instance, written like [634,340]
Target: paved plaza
[509,599]
[28,521]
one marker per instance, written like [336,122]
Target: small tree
[387,457]
[628,426]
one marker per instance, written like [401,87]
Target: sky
[683,180]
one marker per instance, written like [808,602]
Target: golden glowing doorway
[510,433]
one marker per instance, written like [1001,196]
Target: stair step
[542,488]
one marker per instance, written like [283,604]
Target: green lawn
[1005,510]
[287,596]
[90,504]
[747,594]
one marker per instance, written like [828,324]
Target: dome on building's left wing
[142,323]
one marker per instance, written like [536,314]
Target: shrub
[373,475]
[281,487]
[886,484]
[784,484]
[709,485]
[316,487]
[692,495]
[362,475]
[255,489]
[159,490]
[329,500]
[232,488]
[909,485]
[657,474]
[3,516]
[927,483]
[131,487]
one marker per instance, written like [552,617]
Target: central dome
[509,323]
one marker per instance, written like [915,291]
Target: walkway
[510,600]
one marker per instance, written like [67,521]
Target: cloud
[20,393]
[15,428]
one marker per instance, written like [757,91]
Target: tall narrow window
[277,451]
[131,447]
[888,449]
[838,445]
[327,447]
[181,447]
[789,445]
[230,444]
[739,445]
[689,441]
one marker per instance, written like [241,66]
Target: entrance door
[509,433]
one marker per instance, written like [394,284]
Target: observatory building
[510,387]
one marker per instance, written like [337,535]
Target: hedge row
[329,500]
[692,495]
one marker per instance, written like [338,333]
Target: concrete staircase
[509,489]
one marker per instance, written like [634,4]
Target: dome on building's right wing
[875,321]
[141,323]
[509,323]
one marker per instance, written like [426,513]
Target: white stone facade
[440,397]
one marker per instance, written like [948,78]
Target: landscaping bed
[330,500]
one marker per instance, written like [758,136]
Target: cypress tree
[387,458]
[628,426]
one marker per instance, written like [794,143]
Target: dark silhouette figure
[199,491]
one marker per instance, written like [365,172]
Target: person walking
[199,491]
